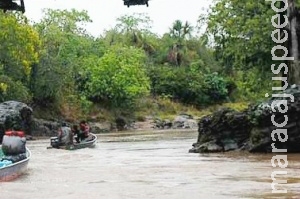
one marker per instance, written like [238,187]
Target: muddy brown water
[146,165]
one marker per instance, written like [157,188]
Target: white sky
[105,12]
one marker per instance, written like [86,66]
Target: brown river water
[146,165]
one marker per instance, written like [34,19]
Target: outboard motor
[54,141]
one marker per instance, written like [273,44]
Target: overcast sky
[104,12]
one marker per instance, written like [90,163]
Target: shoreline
[128,133]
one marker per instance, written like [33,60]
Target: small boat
[88,142]
[14,170]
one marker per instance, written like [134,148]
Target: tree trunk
[286,43]
[294,19]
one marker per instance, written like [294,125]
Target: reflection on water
[147,165]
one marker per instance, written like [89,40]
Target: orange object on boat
[15,133]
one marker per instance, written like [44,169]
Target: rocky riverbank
[15,115]
[48,128]
[18,115]
[252,129]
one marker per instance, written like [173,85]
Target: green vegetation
[62,71]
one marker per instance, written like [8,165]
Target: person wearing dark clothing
[84,130]
[76,133]
[1,136]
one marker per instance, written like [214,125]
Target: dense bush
[13,90]
[182,84]
[252,85]
[118,77]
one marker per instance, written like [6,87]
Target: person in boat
[84,130]
[65,135]
[76,133]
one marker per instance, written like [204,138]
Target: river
[147,165]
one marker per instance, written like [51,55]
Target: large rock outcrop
[15,114]
[252,128]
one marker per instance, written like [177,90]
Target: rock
[186,116]
[120,123]
[15,114]
[29,137]
[184,121]
[167,124]
[103,127]
[190,124]
[158,123]
[162,124]
[47,128]
[179,122]
[207,147]
[229,145]
[252,128]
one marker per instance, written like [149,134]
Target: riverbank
[175,117]
[154,133]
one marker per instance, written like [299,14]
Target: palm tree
[179,32]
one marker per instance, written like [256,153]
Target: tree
[70,21]
[19,50]
[179,32]
[117,78]
[19,46]
[294,41]
[64,44]
[133,30]
[241,32]
[136,22]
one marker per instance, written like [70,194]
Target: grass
[158,107]
[162,108]
[167,109]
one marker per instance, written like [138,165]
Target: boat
[14,170]
[88,142]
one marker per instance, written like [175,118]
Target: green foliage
[180,30]
[19,46]
[251,86]
[56,63]
[72,21]
[164,108]
[85,104]
[134,22]
[118,77]
[14,90]
[215,87]
[188,86]
[241,32]
[64,44]
[239,106]
[18,51]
